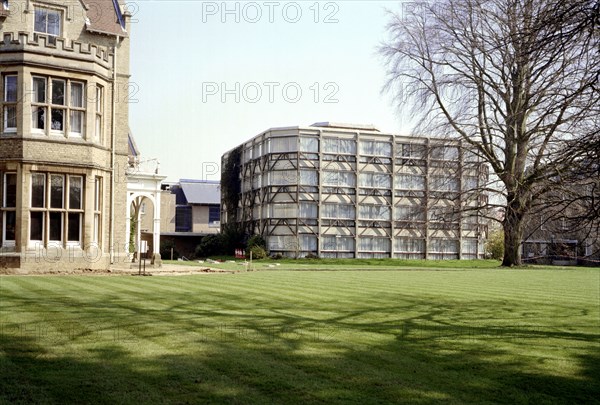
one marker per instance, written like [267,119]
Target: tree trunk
[513,234]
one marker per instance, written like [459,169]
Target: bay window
[56,214]
[52,111]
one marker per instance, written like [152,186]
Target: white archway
[141,186]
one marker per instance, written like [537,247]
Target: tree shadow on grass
[190,354]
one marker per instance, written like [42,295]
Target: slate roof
[105,17]
[201,192]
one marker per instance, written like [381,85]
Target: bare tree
[515,80]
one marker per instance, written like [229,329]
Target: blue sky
[210,75]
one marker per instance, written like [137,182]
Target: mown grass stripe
[310,337]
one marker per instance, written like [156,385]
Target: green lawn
[365,337]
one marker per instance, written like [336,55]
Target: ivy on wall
[231,183]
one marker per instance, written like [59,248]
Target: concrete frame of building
[337,190]
[71,154]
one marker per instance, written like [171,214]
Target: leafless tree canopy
[515,80]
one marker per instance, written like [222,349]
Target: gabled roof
[133,149]
[105,17]
[201,191]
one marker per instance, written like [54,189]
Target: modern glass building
[349,191]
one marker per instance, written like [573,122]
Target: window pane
[98,99]
[97,193]
[77,122]
[183,219]
[57,117]
[38,117]
[38,190]
[214,214]
[41,18]
[56,221]
[39,90]
[96,235]
[77,95]
[36,230]
[10,88]
[75,184]
[286,144]
[10,190]
[58,92]
[410,182]
[10,220]
[56,191]
[10,116]
[98,127]
[309,144]
[73,234]
[53,22]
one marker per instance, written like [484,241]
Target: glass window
[57,118]
[38,190]
[58,92]
[75,191]
[443,246]
[375,180]
[337,243]
[36,226]
[76,94]
[444,152]
[57,184]
[374,244]
[408,245]
[56,223]
[99,110]
[38,118]
[8,204]
[309,144]
[309,177]
[49,109]
[9,105]
[97,209]
[47,21]
[411,150]
[338,211]
[409,213]
[342,146]
[39,90]
[10,88]
[308,210]
[338,178]
[409,182]
[376,148]
[76,120]
[214,214]
[74,230]
[380,212]
[10,221]
[282,145]
[10,190]
[76,117]
[444,183]
[183,219]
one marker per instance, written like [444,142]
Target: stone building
[64,134]
[337,190]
